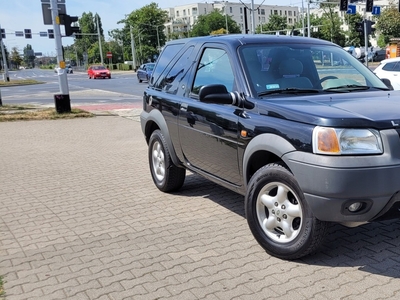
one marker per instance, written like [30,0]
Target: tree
[275,23]
[29,56]
[354,38]
[331,24]
[388,24]
[214,22]
[147,25]
[87,44]
[15,57]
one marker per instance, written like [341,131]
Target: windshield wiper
[288,91]
[347,88]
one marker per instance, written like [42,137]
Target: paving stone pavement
[81,219]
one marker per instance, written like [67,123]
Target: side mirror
[387,83]
[218,94]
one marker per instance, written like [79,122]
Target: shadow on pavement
[373,248]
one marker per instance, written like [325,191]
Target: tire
[140,80]
[278,215]
[166,176]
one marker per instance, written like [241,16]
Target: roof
[253,39]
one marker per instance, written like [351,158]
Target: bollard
[1,103]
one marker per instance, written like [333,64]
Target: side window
[214,68]
[397,67]
[165,58]
[171,82]
[389,66]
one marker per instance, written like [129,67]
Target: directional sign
[351,9]
[376,10]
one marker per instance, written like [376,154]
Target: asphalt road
[123,87]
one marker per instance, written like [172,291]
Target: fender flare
[156,117]
[265,142]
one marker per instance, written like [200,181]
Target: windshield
[277,69]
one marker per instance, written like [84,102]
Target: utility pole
[133,50]
[3,53]
[308,18]
[62,100]
[253,19]
[98,34]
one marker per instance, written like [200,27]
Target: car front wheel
[278,215]
[166,176]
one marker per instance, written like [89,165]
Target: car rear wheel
[166,176]
[278,215]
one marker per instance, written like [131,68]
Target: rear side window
[171,82]
[168,53]
[393,66]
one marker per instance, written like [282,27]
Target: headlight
[334,141]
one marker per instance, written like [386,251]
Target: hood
[380,109]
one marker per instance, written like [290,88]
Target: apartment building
[183,17]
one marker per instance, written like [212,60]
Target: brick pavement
[81,219]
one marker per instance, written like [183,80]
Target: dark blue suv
[300,127]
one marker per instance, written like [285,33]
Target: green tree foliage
[275,23]
[388,23]
[354,38]
[147,25]
[331,23]
[89,43]
[15,57]
[213,22]
[29,56]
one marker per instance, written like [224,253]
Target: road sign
[109,54]
[19,33]
[351,9]
[43,33]
[376,10]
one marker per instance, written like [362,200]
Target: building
[182,18]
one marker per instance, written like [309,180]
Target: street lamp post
[226,18]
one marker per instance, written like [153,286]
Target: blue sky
[17,15]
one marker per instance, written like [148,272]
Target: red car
[98,71]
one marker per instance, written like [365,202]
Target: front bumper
[331,183]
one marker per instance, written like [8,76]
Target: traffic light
[67,21]
[369,5]
[28,33]
[3,34]
[370,29]
[343,5]
[360,27]
[50,33]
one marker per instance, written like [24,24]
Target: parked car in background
[98,71]
[144,72]
[377,55]
[68,69]
[390,69]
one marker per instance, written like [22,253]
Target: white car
[390,69]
